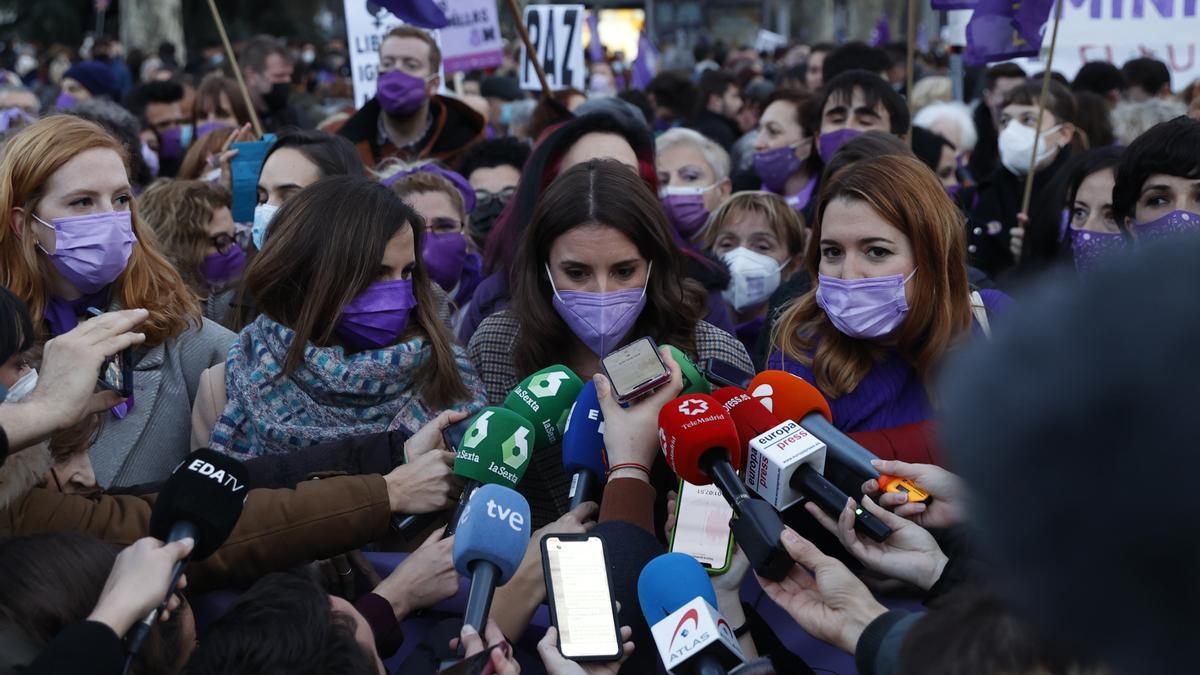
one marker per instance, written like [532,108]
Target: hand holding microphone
[424,485]
[138,581]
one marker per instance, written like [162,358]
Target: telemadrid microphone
[785,463]
[694,381]
[494,451]
[493,534]
[545,399]
[203,500]
[584,459]
[702,446]
[680,605]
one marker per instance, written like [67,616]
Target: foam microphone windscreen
[583,440]
[693,380]
[750,416]
[788,397]
[669,582]
[690,426]
[207,489]
[545,398]
[496,448]
[495,527]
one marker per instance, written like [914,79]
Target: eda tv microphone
[680,605]
[495,450]
[490,543]
[584,458]
[545,399]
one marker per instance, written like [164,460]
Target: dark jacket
[85,647]
[455,127]
[719,128]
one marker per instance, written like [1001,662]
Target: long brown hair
[208,97]
[608,193]
[906,194]
[31,156]
[325,248]
[180,211]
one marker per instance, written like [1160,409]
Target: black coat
[722,130]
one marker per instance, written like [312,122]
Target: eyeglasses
[223,242]
[443,225]
[503,195]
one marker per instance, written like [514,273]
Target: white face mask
[755,277]
[263,213]
[22,388]
[1016,146]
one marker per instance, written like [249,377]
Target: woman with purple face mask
[348,341]
[785,156]
[693,180]
[892,297]
[1156,193]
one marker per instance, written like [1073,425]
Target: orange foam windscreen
[788,397]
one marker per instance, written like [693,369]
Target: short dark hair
[334,155]
[1098,77]
[1060,102]
[16,327]
[258,49]
[715,82]
[493,152]
[158,91]
[1171,148]
[822,47]
[1149,74]
[283,624]
[854,56]
[875,91]
[1003,70]
[927,146]
[674,92]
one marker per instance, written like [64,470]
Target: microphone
[701,444]
[694,381]
[786,463]
[545,399]
[493,534]
[203,500]
[680,606]
[584,458]
[495,450]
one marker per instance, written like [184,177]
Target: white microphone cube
[775,456]
[694,628]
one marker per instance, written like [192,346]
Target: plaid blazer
[546,484]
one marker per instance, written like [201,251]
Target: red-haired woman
[892,297]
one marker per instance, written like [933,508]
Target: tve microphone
[203,500]
[694,381]
[492,536]
[545,398]
[680,606]
[495,450]
[701,444]
[583,447]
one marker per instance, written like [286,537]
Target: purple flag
[595,47]
[922,38]
[1005,29]
[645,66]
[423,13]
[881,34]
[947,5]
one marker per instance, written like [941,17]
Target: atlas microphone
[492,537]
[203,500]
[702,446]
[785,463]
[583,447]
[680,606]
[495,450]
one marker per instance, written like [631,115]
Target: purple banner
[645,66]
[882,33]
[1005,29]
[948,5]
[595,47]
[423,13]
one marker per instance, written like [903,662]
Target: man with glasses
[493,168]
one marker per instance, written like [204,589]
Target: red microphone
[750,416]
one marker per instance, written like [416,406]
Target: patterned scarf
[328,397]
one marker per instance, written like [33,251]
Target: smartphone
[581,604]
[479,664]
[635,369]
[903,486]
[116,373]
[725,374]
[702,526]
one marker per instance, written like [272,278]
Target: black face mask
[277,98]
[483,219]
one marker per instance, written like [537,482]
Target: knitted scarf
[331,395]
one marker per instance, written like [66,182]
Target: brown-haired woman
[70,239]
[892,296]
[596,268]
[193,221]
[348,341]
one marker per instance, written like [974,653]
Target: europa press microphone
[495,450]
[701,445]
[680,605]
[785,463]
[203,500]
[583,447]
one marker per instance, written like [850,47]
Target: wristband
[742,629]
[628,465]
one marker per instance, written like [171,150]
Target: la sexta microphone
[702,446]
[409,525]
[489,545]
[545,399]
[694,381]
[203,500]
[785,463]
[584,458]
[680,606]
[495,450]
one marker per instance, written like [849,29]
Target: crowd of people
[392,270]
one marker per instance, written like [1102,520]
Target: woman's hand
[225,157]
[631,434]
[138,583]
[948,493]
[557,664]
[1016,236]
[429,437]
[425,578]
[503,662]
[425,485]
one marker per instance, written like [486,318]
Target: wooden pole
[1037,132]
[237,71]
[912,51]
[530,51]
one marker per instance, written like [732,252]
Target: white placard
[556,32]
[366,26]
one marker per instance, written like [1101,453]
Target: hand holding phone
[116,373]
[580,593]
[635,370]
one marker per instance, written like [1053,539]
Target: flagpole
[912,50]
[1037,133]
[530,52]
[237,71]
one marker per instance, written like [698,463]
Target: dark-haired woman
[348,341]
[597,267]
[1157,188]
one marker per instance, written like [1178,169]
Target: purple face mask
[952,192]
[91,251]
[600,320]
[1090,249]
[170,143]
[209,126]
[864,308]
[685,209]
[1175,222]
[376,317]
[65,101]
[774,167]
[833,141]
[221,267]
[444,255]
[399,93]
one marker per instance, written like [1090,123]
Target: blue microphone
[584,458]
[680,605]
[489,544]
